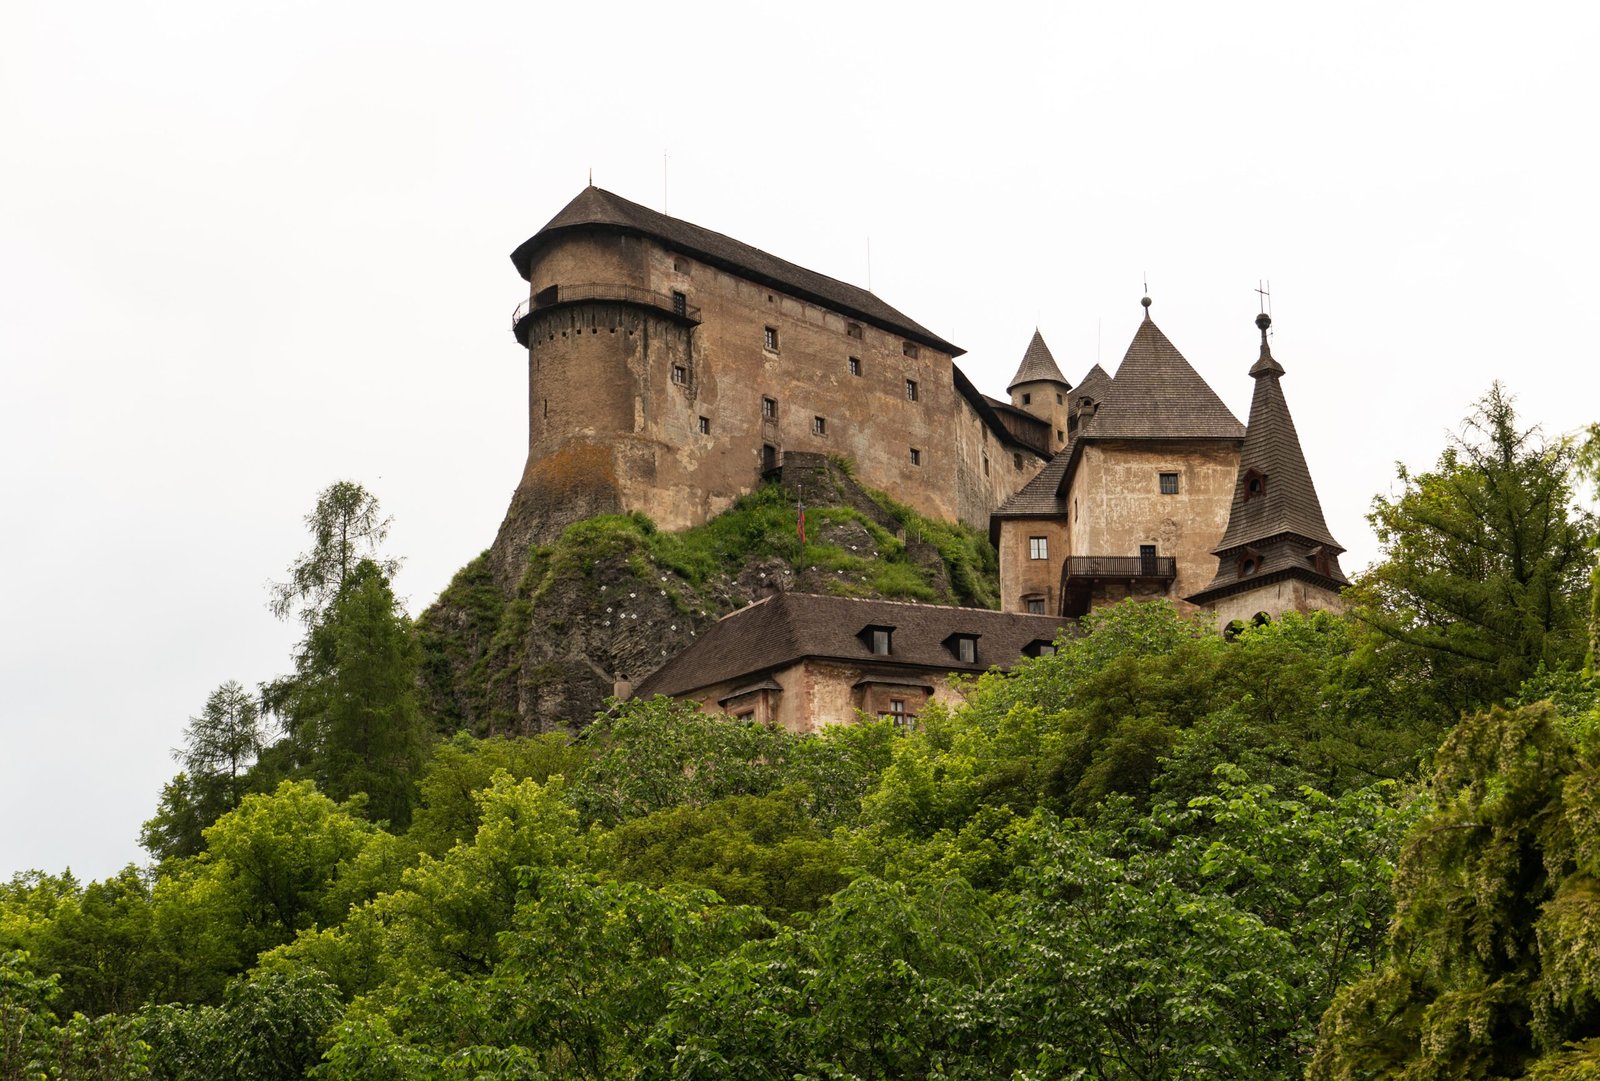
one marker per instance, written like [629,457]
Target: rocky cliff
[531,640]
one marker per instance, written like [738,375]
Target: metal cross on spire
[1266,296]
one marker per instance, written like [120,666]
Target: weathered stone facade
[666,380]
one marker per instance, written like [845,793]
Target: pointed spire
[1276,518]
[1038,365]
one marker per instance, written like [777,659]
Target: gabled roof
[788,627]
[1288,502]
[1157,395]
[597,208]
[1037,365]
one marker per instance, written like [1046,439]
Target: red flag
[800,528]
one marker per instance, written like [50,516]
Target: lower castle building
[670,368]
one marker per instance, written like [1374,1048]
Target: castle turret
[1039,388]
[1276,554]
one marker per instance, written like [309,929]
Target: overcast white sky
[248,250]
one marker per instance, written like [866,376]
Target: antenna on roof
[869,263]
[591,176]
[663,182]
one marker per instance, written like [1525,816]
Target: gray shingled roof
[1157,395]
[1096,384]
[1037,364]
[1289,503]
[598,207]
[788,627]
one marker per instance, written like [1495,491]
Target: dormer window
[1255,484]
[1039,647]
[1249,562]
[963,647]
[878,639]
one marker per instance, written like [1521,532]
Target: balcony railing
[674,305]
[1161,567]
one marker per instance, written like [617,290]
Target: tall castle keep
[671,367]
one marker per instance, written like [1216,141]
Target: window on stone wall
[910,350]
[705,425]
[1035,605]
[911,390]
[1016,460]
[986,465]
[896,712]
[819,425]
[1169,484]
[681,265]
[1027,399]
[853,329]
[855,365]
[680,303]
[769,339]
[1058,399]
[680,375]
[1060,436]
[916,456]
[1038,548]
[769,409]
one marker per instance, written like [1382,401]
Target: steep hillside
[613,598]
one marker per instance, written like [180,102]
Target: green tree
[351,709]
[1486,562]
[1491,964]
[347,526]
[219,747]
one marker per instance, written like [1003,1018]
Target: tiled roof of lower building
[789,627]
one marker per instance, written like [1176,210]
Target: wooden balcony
[1082,576]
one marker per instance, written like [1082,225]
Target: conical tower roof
[1157,395]
[1274,494]
[1037,365]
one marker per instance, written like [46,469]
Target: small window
[680,303]
[853,329]
[1058,399]
[1169,484]
[705,426]
[681,265]
[745,715]
[910,350]
[916,456]
[986,465]
[855,365]
[1035,606]
[680,375]
[896,712]
[1248,566]
[879,640]
[1027,399]
[769,409]
[1039,548]
[769,339]
[1060,436]
[1255,484]
[1040,647]
[1016,460]
[964,647]
[911,390]
[819,425]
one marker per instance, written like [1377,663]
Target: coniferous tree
[1486,562]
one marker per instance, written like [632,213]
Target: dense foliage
[1337,847]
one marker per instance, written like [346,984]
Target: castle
[671,368]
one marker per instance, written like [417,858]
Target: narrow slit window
[916,456]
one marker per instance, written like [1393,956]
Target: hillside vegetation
[1339,847]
